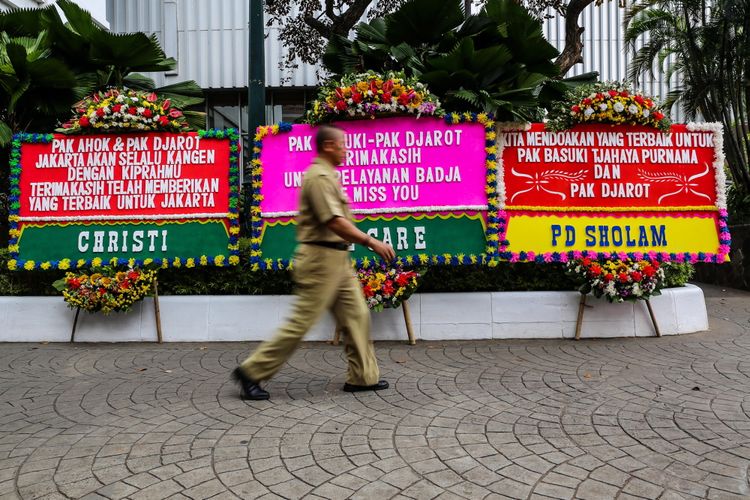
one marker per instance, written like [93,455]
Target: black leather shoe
[382,384]
[249,389]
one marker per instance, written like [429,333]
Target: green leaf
[6,134]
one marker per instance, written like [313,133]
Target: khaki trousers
[324,281]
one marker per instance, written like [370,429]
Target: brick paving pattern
[621,418]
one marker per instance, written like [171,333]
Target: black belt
[329,244]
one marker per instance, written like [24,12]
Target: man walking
[323,278]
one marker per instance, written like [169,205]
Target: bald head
[326,133]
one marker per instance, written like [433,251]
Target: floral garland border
[233,248]
[496,218]
[725,239]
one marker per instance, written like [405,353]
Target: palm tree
[709,40]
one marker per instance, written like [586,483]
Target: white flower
[645,113]
[633,109]
[588,111]
[618,107]
[603,107]
[140,110]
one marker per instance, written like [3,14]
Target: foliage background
[240,280]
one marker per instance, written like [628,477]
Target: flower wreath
[124,110]
[617,280]
[387,286]
[369,94]
[615,103]
[106,290]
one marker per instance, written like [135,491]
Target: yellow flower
[45,265]
[204,260]
[28,265]
[176,262]
[12,264]
[190,262]
[96,262]
[219,260]
[234,260]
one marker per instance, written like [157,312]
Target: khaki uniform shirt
[321,199]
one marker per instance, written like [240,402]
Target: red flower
[357,97]
[340,105]
[609,276]
[368,291]
[100,112]
[151,97]
[586,261]
[586,101]
[132,110]
[388,287]
[649,271]
[624,93]
[102,290]
[636,276]
[163,120]
[658,115]
[133,275]
[148,113]
[84,121]
[373,87]
[403,99]
[175,113]
[648,102]
[639,99]
[387,85]
[402,279]
[612,93]
[386,97]
[166,104]
[575,109]
[600,96]
[125,285]
[623,276]
[116,108]
[74,283]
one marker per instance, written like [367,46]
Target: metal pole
[256,87]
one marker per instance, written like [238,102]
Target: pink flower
[563,257]
[622,255]
[652,255]
[175,113]
[151,97]
[530,256]
[577,254]
[548,257]
[708,258]
[680,258]
[693,258]
[514,257]
[638,255]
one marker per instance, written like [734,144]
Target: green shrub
[240,280]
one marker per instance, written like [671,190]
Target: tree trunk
[572,54]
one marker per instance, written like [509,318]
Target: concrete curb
[440,316]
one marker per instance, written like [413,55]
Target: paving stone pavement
[664,418]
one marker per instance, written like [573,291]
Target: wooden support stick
[75,322]
[653,318]
[407,320]
[579,321]
[156,310]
